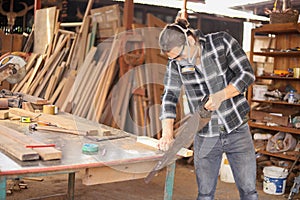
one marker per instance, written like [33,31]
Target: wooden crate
[10,42]
[277,115]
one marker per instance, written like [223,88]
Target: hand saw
[184,138]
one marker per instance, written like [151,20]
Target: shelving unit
[287,37]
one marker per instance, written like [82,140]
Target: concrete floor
[185,188]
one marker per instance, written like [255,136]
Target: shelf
[278,54]
[275,128]
[279,155]
[276,102]
[278,77]
[278,28]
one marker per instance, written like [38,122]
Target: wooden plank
[66,89]
[16,150]
[122,172]
[62,120]
[36,68]
[44,28]
[50,71]
[152,142]
[87,93]
[58,90]
[50,87]
[106,79]
[47,65]
[79,78]
[47,153]
[128,14]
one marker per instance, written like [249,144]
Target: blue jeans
[239,149]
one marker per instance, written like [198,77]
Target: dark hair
[174,35]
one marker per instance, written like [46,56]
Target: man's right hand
[167,135]
[165,142]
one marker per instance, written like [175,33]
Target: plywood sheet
[44,29]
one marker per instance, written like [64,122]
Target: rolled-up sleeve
[172,87]
[238,63]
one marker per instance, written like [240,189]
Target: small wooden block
[4,114]
[92,132]
[27,106]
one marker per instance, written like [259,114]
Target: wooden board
[122,172]
[44,28]
[47,153]
[16,150]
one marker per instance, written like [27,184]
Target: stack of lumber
[101,82]
[14,143]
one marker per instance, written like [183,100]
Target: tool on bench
[34,126]
[105,138]
[184,138]
[32,146]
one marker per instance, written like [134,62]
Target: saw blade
[184,138]
[17,77]
[12,69]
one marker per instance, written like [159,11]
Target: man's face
[183,52]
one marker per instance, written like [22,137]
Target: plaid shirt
[223,62]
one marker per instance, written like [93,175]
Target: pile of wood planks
[105,82]
[14,143]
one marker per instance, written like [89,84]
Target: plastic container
[274,180]
[225,171]
[291,97]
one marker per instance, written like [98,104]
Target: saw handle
[203,112]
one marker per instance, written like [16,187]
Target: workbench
[117,160]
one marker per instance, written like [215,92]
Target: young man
[211,65]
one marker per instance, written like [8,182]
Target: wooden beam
[128,14]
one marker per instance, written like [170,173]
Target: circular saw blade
[15,78]
[13,68]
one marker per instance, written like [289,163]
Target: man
[213,65]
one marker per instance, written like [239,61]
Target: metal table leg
[2,187]
[169,182]
[71,185]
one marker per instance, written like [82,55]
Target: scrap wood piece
[16,150]
[47,153]
[153,143]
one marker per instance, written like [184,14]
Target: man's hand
[215,100]
[167,135]
[165,142]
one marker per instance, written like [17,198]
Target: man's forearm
[230,91]
[167,127]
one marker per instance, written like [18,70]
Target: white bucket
[274,180]
[225,171]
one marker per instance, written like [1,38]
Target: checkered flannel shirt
[223,62]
